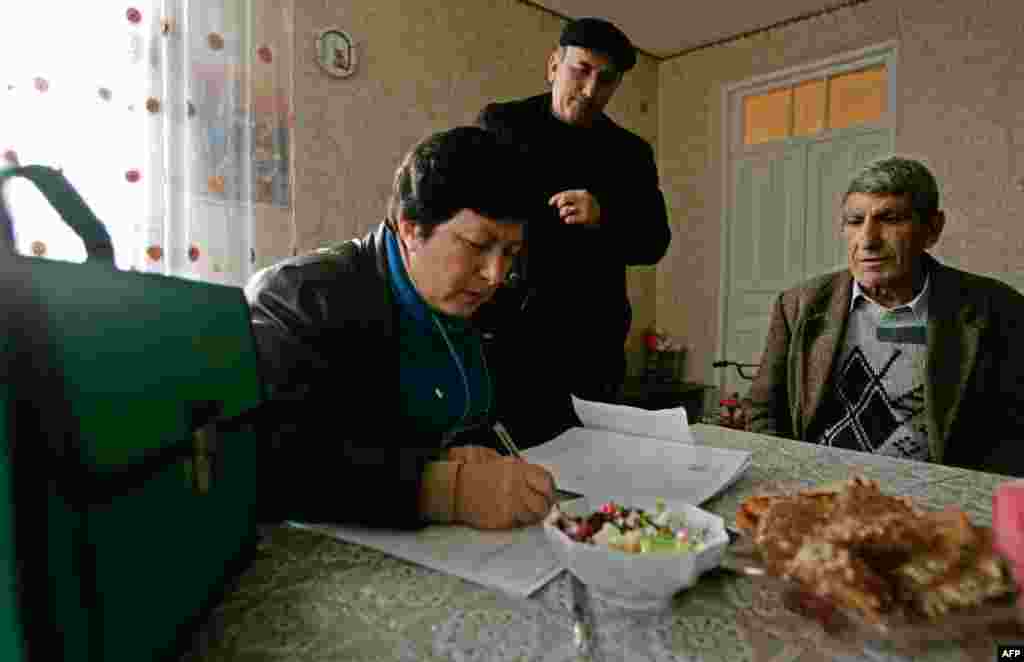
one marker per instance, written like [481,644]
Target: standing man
[605,212]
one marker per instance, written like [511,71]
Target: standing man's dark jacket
[575,276]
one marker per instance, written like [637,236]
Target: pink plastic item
[1008,525]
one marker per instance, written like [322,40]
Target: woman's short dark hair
[896,175]
[462,168]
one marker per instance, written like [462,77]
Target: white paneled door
[783,227]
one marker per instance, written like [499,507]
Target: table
[310,597]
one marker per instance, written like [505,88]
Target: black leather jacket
[579,312]
[325,328]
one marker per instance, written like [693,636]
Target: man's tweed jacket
[974,394]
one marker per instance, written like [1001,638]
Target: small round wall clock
[336,52]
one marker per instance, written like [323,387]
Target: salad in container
[636,555]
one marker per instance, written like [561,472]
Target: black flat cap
[597,34]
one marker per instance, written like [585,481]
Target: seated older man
[899,354]
[371,347]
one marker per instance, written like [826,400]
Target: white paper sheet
[670,424]
[615,457]
[518,561]
[602,464]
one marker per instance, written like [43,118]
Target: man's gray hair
[896,175]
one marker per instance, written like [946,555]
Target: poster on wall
[240,110]
[270,148]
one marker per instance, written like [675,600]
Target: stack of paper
[621,453]
[627,454]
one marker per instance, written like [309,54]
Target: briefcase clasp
[204,459]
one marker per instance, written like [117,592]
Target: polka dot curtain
[151,110]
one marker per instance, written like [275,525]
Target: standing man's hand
[577,207]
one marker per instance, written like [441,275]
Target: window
[857,97]
[77,107]
[810,107]
[809,102]
[171,119]
[767,116]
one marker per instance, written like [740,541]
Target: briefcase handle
[65,199]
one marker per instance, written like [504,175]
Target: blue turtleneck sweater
[435,376]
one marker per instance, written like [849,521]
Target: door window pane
[809,108]
[767,116]
[816,105]
[857,97]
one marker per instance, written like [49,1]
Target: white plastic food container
[637,580]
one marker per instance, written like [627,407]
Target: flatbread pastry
[874,553]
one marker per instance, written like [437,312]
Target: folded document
[621,453]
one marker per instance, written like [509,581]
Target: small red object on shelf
[731,413]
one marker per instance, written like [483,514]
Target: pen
[506,439]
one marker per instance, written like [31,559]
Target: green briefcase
[128,481]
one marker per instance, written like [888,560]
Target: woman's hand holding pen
[473,454]
[495,491]
[502,494]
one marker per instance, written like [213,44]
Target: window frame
[735,94]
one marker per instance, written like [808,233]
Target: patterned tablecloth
[310,597]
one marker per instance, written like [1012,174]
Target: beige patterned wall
[963,110]
[427,65]
[960,77]
[424,65]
